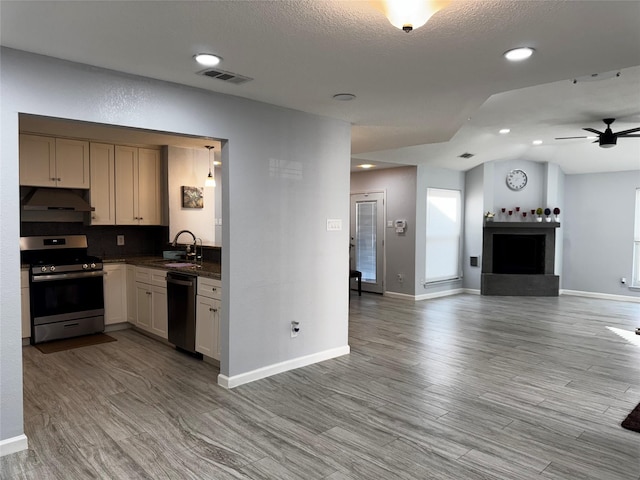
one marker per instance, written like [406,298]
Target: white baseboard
[13,445]
[444,293]
[114,327]
[602,296]
[428,296]
[264,372]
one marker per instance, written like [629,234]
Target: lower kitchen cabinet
[208,303]
[151,301]
[131,294]
[24,303]
[115,293]
[208,326]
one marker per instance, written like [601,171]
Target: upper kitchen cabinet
[138,181]
[103,198]
[53,162]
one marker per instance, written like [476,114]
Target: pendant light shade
[210,181]
[407,15]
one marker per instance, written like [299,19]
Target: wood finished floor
[464,387]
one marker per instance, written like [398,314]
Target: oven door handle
[67,276]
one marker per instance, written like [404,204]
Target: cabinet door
[102,168]
[208,326]
[115,304]
[37,161]
[149,187]
[126,174]
[131,295]
[143,306]
[72,163]
[159,315]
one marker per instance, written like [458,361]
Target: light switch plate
[120,240]
[334,224]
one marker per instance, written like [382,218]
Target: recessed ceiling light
[505,131]
[344,97]
[207,59]
[537,142]
[592,137]
[366,165]
[517,54]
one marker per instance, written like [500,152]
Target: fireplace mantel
[542,283]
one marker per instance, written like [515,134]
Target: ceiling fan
[607,139]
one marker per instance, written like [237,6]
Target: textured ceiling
[415,92]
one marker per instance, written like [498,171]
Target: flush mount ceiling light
[504,131]
[518,54]
[210,181]
[407,15]
[207,59]
[366,166]
[537,142]
[344,97]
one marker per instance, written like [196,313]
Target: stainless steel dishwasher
[181,306]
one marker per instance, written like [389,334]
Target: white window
[636,244]
[444,228]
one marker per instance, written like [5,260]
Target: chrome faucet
[175,239]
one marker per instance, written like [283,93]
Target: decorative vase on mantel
[556,215]
[539,214]
[547,213]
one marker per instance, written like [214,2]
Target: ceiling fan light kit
[608,138]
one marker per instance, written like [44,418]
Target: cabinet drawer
[210,287]
[151,276]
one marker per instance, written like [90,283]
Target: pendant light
[210,181]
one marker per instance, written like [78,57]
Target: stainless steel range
[65,287]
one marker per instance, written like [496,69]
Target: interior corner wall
[285,172]
[598,222]
[400,187]
[431,177]
[474,202]
[554,197]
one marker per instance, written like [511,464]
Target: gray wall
[284,172]
[473,222]
[430,177]
[598,223]
[400,186]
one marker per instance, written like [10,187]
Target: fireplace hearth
[518,259]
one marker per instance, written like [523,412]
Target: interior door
[367,240]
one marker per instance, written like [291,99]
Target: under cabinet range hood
[43,199]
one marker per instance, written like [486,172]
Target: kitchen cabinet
[208,307]
[131,294]
[138,186]
[151,301]
[24,303]
[115,294]
[103,189]
[54,162]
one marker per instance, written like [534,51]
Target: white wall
[598,221]
[400,187]
[284,173]
[190,167]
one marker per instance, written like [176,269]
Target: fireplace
[518,259]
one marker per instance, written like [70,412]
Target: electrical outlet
[120,240]
[400,278]
[295,328]
[623,280]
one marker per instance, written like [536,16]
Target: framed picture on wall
[192,197]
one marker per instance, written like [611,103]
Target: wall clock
[516,179]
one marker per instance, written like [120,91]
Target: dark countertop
[209,269]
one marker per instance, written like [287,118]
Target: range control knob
[43,269]
[85,266]
[52,268]
[93,265]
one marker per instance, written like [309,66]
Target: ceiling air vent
[466,155]
[225,76]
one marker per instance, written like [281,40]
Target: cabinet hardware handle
[213,309]
[59,179]
[213,289]
[53,179]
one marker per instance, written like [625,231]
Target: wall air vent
[225,76]
[466,155]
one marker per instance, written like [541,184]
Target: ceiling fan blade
[593,130]
[567,138]
[629,136]
[625,132]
